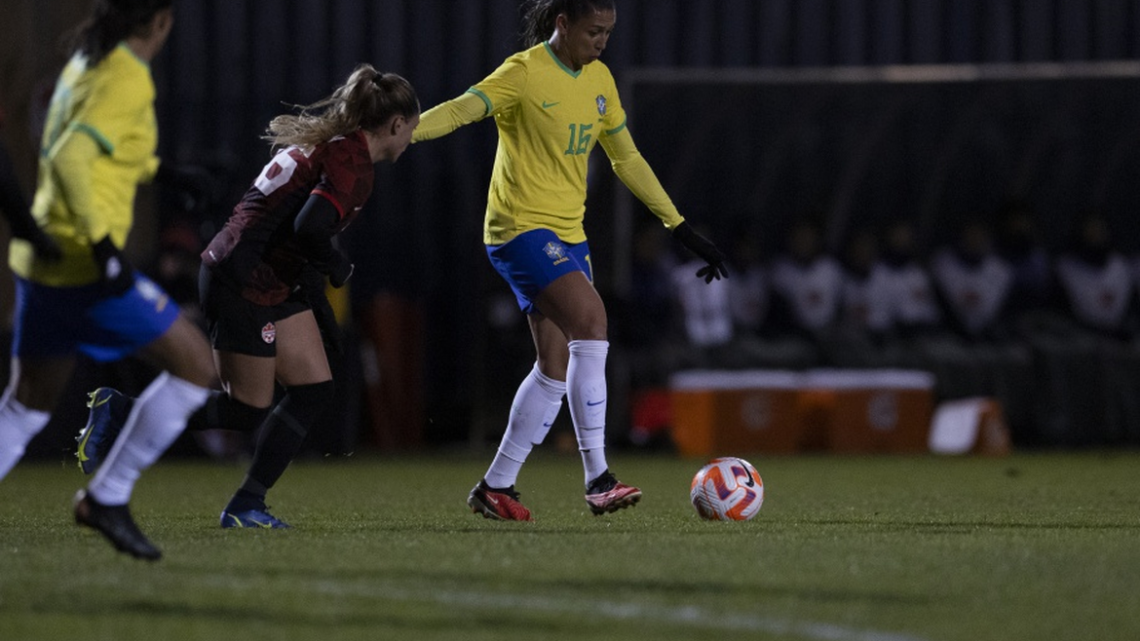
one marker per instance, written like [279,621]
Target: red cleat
[606,494]
[501,504]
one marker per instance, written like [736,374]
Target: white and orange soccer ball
[727,489]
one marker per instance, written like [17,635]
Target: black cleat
[115,523]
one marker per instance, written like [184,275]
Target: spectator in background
[706,317]
[982,358]
[865,314]
[973,282]
[1096,281]
[807,284]
[915,312]
[1091,367]
[648,315]
[1018,241]
[749,289]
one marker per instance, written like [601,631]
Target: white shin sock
[18,425]
[536,405]
[586,392]
[156,420]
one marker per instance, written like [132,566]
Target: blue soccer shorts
[52,322]
[534,259]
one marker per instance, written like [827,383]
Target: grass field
[869,549]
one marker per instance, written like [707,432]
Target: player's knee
[591,327]
[307,403]
[241,416]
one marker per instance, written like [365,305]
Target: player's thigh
[184,352]
[301,358]
[575,307]
[247,378]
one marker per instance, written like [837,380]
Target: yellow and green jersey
[98,144]
[549,120]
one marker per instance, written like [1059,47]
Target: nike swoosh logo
[548,105]
[492,500]
[589,404]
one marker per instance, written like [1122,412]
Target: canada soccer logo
[269,333]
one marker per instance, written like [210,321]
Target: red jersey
[257,248]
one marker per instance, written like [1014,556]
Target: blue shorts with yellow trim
[534,259]
[61,321]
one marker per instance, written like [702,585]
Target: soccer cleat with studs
[115,523]
[606,494]
[500,504]
[109,411]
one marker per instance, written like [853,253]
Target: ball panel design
[727,489]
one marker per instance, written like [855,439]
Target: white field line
[616,610]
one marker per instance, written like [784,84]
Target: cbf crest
[555,251]
[601,100]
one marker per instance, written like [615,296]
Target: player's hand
[312,285]
[44,245]
[703,248]
[114,270]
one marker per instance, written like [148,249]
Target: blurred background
[942,185]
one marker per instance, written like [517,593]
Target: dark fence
[233,64]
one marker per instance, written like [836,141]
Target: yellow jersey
[98,144]
[549,119]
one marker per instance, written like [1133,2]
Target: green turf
[869,549]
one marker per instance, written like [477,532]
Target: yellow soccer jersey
[98,144]
[549,119]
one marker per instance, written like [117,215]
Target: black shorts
[237,325]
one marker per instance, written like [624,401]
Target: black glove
[703,248]
[114,270]
[312,284]
[340,270]
[43,244]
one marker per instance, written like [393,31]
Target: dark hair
[110,22]
[365,101]
[539,16]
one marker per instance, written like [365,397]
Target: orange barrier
[783,412]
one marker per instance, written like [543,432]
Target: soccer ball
[727,489]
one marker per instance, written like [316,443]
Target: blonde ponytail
[366,100]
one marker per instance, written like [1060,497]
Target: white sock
[586,391]
[535,407]
[18,425]
[156,420]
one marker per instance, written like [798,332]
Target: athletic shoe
[501,504]
[255,518]
[606,494]
[115,523]
[109,411]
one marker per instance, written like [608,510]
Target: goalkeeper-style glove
[703,248]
